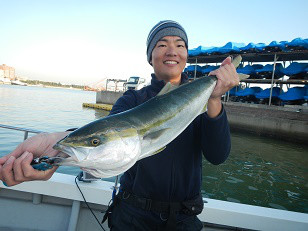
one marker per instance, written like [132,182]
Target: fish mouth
[76,152]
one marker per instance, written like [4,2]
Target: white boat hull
[58,205]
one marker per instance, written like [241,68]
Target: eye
[95,142]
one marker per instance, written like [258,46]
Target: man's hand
[227,79]
[15,167]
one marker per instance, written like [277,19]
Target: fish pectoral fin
[159,150]
[204,108]
[155,135]
[167,88]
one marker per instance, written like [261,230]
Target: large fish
[111,145]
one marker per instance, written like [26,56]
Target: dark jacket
[175,173]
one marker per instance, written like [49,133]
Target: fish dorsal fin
[167,88]
[155,135]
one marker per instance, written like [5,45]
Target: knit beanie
[162,29]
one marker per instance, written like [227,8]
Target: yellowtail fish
[109,146]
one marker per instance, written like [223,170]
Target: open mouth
[170,62]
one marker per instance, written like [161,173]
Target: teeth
[170,62]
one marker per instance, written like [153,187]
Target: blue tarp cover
[280,45]
[248,91]
[295,68]
[269,68]
[249,69]
[232,91]
[191,68]
[253,47]
[200,50]
[232,47]
[265,94]
[295,93]
[298,42]
[208,69]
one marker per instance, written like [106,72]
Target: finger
[3,160]
[7,172]
[18,172]
[31,174]
[226,61]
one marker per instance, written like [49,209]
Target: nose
[171,51]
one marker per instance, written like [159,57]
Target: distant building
[8,72]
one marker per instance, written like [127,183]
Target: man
[161,192]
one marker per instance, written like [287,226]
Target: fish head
[103,142]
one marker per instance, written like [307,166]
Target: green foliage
[52,84]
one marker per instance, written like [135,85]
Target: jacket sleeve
[124,103]
[215,137]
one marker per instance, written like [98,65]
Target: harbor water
[260,171]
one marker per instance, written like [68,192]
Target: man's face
[169,58]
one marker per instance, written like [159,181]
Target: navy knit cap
[162,29]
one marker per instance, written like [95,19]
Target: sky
[82,42]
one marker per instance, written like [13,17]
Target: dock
[106,107]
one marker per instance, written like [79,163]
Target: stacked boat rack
[275,72]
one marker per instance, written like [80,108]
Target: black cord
[87,204]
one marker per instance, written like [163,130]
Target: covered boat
[297,70]
[275,46]
[267,71]
[248,91]
[200,50]
[294,93]
[192,69]
[252,48]
[297,44]
[294,96]
[248,94]
[265,94]
[230,48]
[207,69]
[250,70]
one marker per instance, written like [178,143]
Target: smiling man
[162,192]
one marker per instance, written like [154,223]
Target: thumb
[226,61]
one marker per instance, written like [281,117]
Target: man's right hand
[15,167]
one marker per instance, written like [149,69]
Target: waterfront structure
[7,72]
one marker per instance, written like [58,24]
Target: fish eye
[95,142]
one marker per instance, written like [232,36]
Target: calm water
[260,171]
